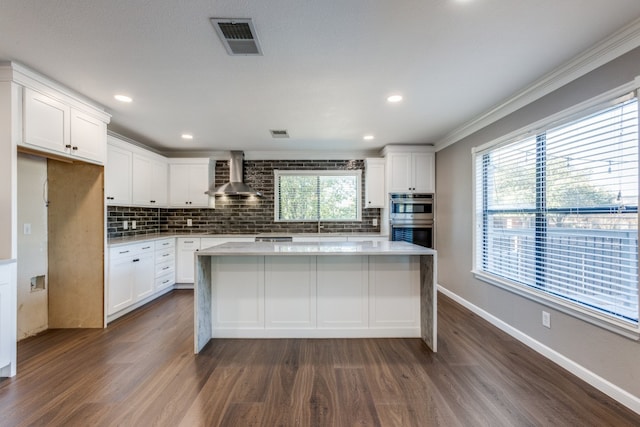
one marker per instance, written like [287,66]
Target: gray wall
[607,354]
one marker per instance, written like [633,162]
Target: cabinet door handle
[165,281]
[74,148]
[166,255]
[165,244]
[67,146]
[188,241]
[136,260]
[146,247]
[166,268]
[123,252]
[109,198]
[153,201]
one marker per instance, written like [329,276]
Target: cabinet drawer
[133,249]
[165,281]
[165,243]
[165,255]
[165,268]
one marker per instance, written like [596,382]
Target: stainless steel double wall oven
[411,218]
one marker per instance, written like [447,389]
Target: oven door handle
[413,225]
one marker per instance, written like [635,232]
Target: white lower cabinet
[165,264]
[185,264]
[131,275]
[241,305]
[343,291]
[138,273]
[7,320]
[290,292]
[394,292]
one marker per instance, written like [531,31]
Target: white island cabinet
[315,290]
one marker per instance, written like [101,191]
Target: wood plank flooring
[141,372]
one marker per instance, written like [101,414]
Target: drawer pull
[136,260]
[166,268]
[166,243]
[146,247]
[166,255]
[188,241]
[123,252]
[165,281]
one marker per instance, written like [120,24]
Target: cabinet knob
[74,148]
[67,146]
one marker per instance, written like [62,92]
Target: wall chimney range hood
[235,186]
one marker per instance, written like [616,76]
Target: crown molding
[619,43]
[24,76]
[279,155]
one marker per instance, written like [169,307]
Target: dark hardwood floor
[141,371]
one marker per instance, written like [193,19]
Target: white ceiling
[327,68]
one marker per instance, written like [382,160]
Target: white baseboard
[624,397]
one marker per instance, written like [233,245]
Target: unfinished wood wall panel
[76,245]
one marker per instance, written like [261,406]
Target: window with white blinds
[557,212]
[317,195]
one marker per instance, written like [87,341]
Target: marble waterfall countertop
[316,248]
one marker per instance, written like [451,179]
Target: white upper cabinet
[135,176]
[88,136]
[46,122]
[410,169]
[188,181]
[374,184]
[53,125]
[117,185]
[149,181]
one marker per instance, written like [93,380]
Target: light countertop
[316,248]
[117,241]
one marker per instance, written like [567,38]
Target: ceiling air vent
[279,133]
[238,36]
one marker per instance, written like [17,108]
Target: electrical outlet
[189,222]
[27,228]
[125,225]
[133,225]
[375,222]
[546,319]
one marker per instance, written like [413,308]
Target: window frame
[582,110]
[357,173]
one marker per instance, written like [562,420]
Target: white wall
[32,248]
[611,357]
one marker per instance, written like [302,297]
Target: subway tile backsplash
[238,214]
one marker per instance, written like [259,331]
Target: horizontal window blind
[558,211]
[318,196]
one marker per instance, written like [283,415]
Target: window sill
[590,316]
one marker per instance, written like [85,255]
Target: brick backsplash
[148,220]
[239,214]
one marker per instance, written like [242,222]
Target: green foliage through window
[317,195]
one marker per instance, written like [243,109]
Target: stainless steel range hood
[235,186]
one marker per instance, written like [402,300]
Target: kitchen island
[315,290]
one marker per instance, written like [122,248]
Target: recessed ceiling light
[123,98]
[187,136]
[394,98]
[368,137]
